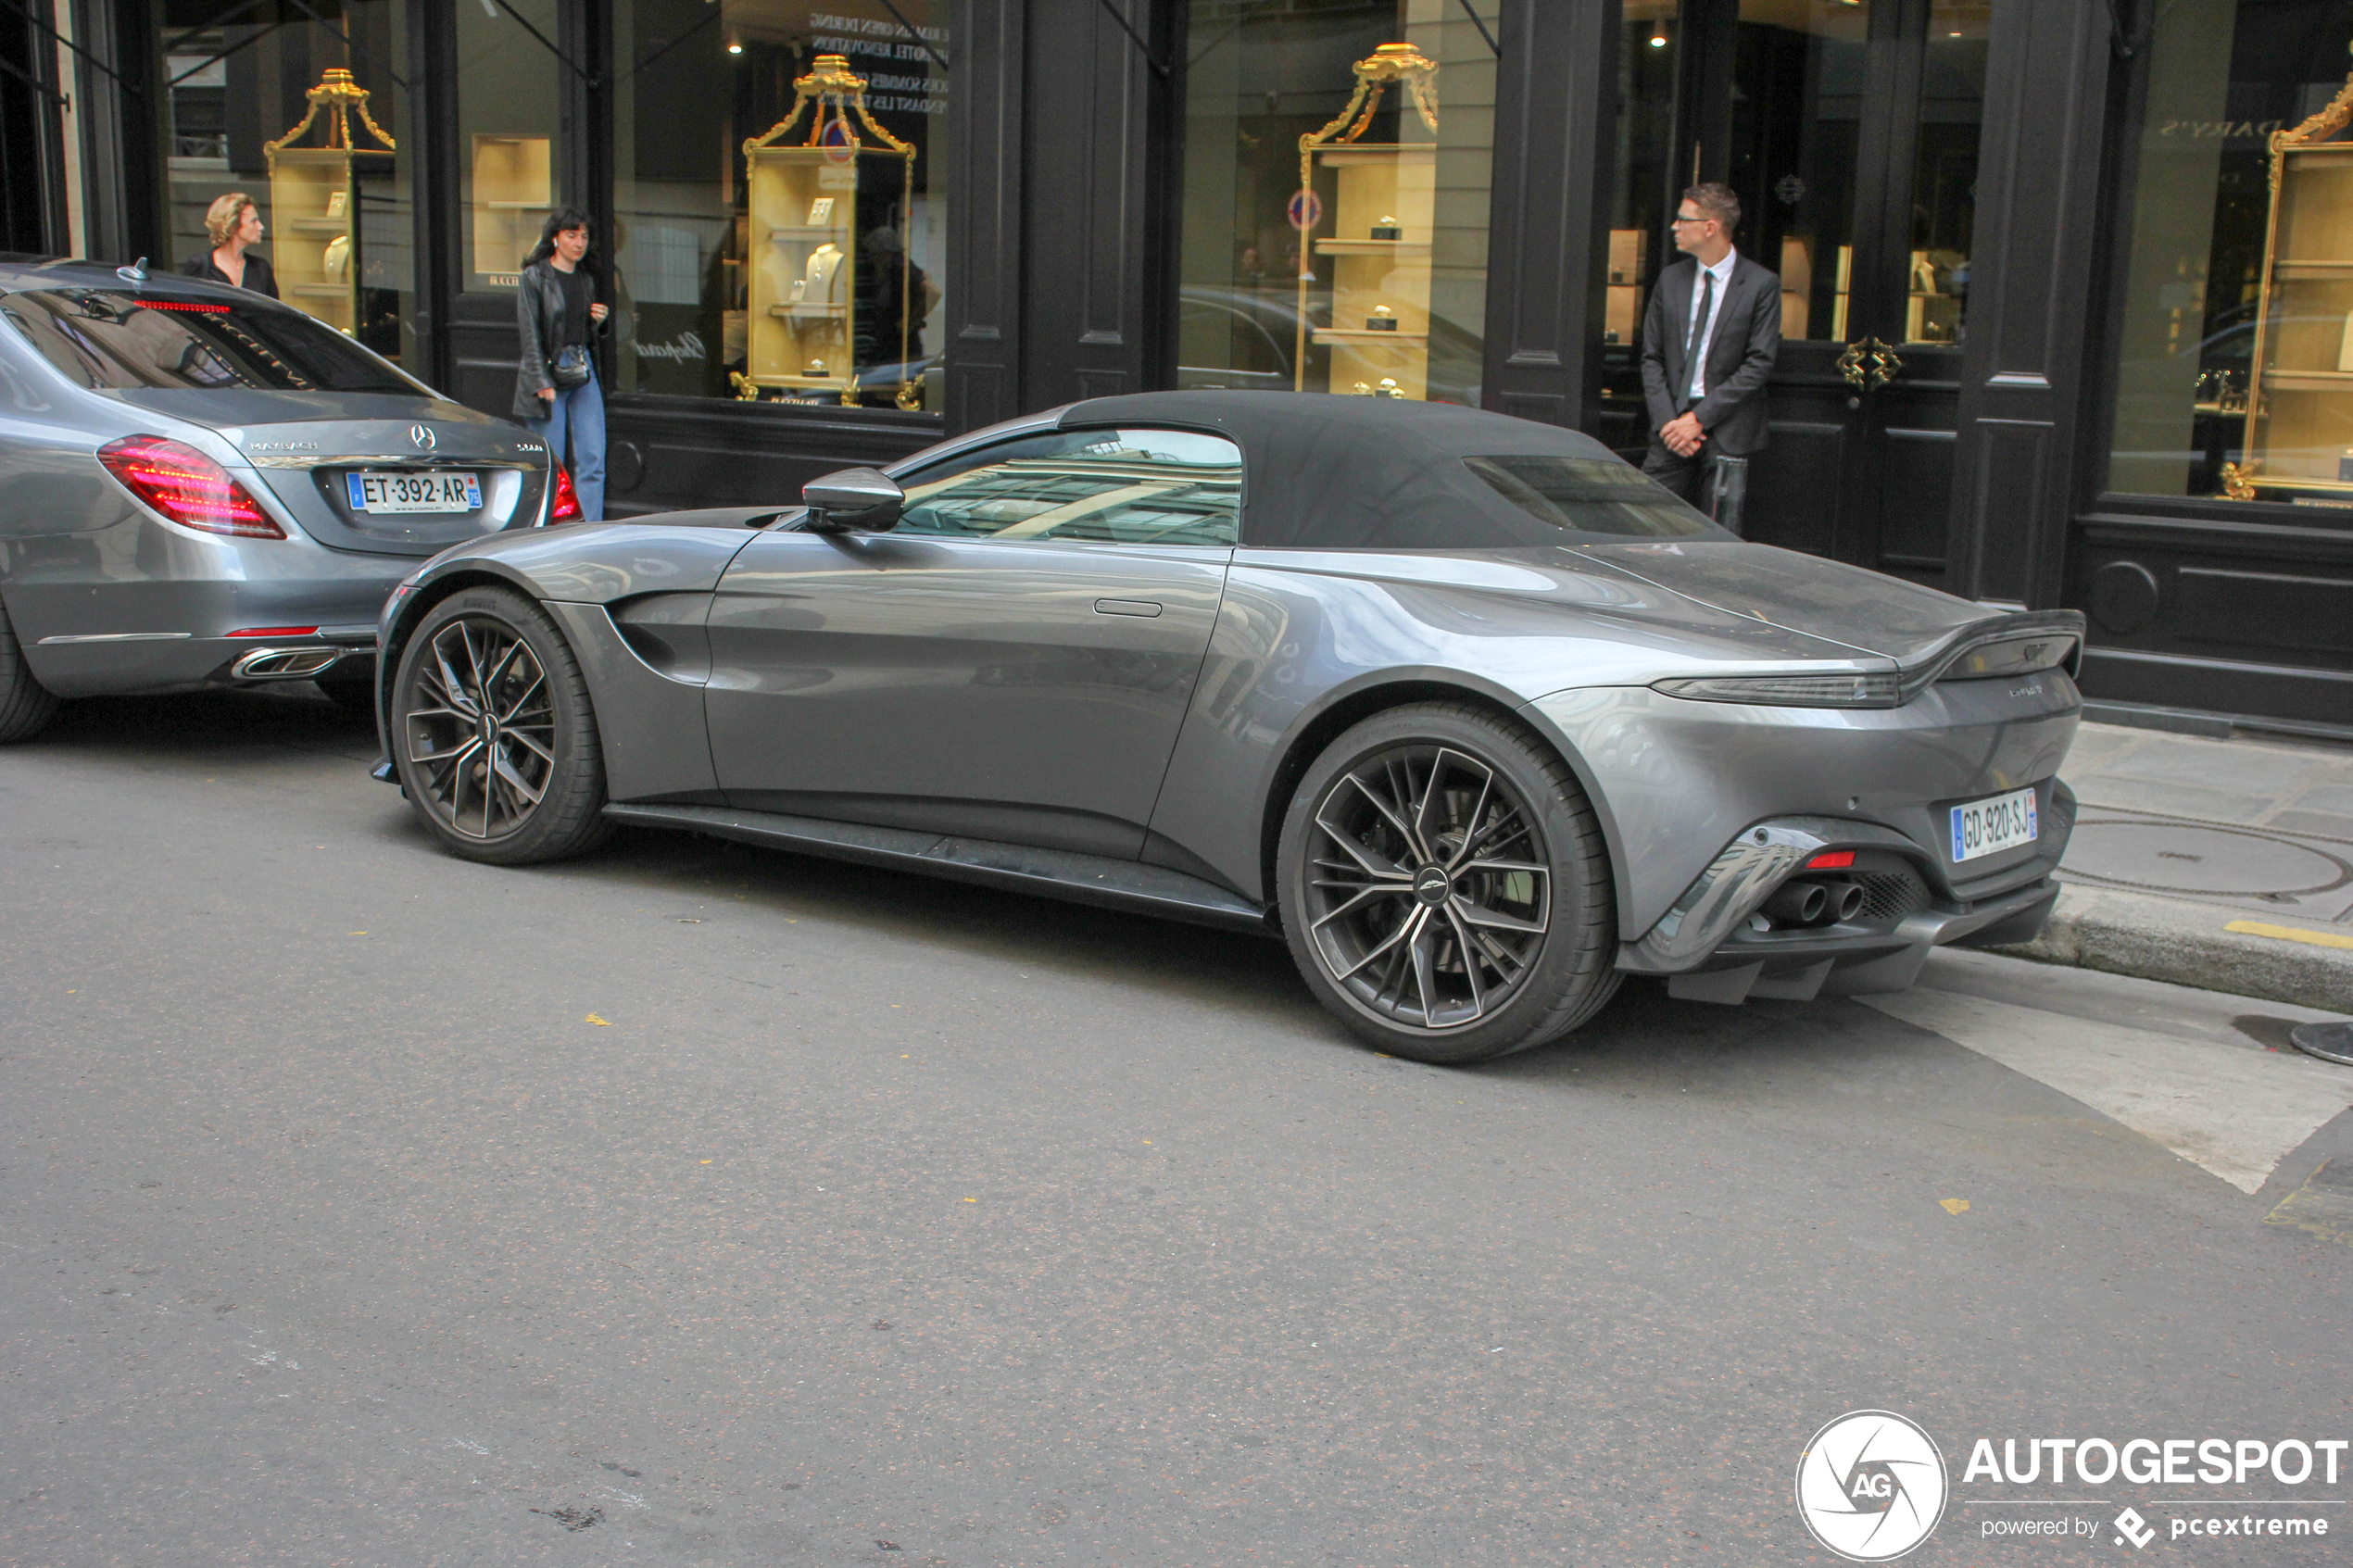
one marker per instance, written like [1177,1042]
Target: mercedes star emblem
[422,436]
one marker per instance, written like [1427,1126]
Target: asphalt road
[695,1204]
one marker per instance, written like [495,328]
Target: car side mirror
[860,500]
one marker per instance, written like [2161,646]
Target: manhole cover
[2201,860]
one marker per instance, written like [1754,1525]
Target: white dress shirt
[1722,273]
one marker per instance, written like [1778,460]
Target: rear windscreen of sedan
[111,339]
[1591,495]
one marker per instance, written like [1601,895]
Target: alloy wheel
[1428,887]
[479,726]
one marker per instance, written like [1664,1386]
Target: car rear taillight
[186,486]
[566,506]
[275,632]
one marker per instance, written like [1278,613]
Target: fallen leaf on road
[1954,1205]
[599,1023]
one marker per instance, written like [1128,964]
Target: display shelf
[802,285]
[809,383]
[512,192]
[2309,381]
[311,255]
[314,201]
[2298,436]
[1384,185]
[1382,236]
[1372,247]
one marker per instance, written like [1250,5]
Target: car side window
[1101,487]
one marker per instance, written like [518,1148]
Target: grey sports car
[1476,717]
[201,486]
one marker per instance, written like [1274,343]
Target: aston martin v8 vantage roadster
[1475,717]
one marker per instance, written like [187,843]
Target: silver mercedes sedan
[200,487]
[1472,715]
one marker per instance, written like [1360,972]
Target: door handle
[1885,364]
[1868,364]
[1851,363]
[1145,608]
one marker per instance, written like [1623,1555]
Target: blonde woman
[234,223]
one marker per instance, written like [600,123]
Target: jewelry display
[1384,191]
[316,259]
[2302,375]
[804,304]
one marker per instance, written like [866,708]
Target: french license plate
[414,492]
[1994,824]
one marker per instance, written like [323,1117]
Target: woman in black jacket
[558,316]
[233,224]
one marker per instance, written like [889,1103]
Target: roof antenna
[134,273]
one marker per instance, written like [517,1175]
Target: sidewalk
[2223,864]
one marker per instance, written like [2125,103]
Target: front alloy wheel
[1444,885]
[483,733]
[493,732]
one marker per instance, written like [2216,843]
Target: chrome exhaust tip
[285,664]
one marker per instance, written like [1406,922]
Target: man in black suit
[1708,342]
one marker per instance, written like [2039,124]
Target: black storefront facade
[2028,296]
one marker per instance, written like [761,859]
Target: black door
[1850,132]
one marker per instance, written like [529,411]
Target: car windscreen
[1591,495]
[113,339]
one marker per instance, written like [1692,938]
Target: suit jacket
[1739,356]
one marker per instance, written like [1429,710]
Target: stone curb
[2184,944]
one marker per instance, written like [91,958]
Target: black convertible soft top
[1336,472]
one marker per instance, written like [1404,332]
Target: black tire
[528,785]
[26,706]
[1446,888]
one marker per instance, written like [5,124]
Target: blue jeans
[574,431]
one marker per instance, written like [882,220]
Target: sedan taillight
[186,486]
[566,506]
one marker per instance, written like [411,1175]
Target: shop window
[1326,249]
[303,109]
[1643,191]
[510,115]
[804,264]
[2234,360]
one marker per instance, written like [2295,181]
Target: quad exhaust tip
[285,664]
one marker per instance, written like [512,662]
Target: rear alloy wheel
[494,734]
[26,706]
[1444,887]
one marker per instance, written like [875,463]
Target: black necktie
[1699,330]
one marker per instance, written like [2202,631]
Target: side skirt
[1050,873]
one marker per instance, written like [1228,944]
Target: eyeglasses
[1679,217]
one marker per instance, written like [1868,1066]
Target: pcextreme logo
[1871,1485]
